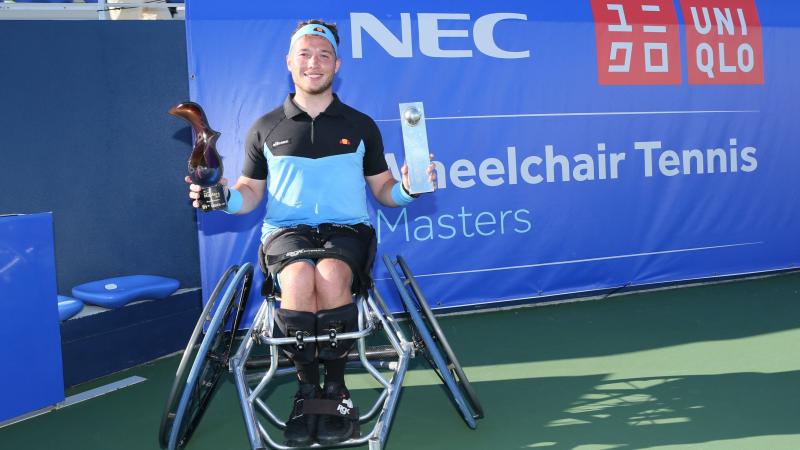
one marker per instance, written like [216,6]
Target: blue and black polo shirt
[314,168]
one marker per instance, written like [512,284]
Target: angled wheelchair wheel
[444,364]
[191,394]
[180,376]
[439,337]
[453,366]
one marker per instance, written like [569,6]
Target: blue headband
[316,30]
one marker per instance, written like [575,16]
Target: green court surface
[705,367]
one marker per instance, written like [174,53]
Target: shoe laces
[297,410]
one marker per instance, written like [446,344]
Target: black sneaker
[332,429]
[300,428]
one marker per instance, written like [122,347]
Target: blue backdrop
[107,87]
[579,145]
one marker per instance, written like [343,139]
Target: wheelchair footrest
[378,352]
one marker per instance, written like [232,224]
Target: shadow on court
[570,412]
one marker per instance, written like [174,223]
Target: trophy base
[212,198]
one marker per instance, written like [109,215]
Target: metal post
[102,10]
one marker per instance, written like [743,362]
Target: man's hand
[431,175]
[194,191]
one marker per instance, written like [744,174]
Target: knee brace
[343,319]
[289,323]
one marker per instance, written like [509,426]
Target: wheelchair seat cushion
[68,307]
[119,291]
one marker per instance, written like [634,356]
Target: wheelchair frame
[253,374]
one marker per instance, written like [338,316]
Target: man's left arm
[383,187]
[388,191]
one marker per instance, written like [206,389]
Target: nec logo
[430,33]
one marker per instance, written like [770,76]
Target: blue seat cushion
[68,307]
[119,291]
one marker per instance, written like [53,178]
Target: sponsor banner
[579,146]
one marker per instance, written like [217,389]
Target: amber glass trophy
[205,164]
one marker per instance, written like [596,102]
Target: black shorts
[353,244]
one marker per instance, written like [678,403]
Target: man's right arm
[251,191]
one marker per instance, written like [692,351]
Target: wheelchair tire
[210,362]
[430,347]
[180,376]
[438,336]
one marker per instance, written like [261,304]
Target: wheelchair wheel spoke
[210,359]
[190,353]
[201,395]
[442,356]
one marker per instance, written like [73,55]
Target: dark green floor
[712,367]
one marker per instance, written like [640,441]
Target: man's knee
[333,283]
[297,285]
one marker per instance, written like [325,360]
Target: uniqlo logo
[638,41]
[723,42]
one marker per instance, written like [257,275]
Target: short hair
[330,26]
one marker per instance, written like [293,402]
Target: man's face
[313,63]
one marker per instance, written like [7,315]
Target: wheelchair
[257,361]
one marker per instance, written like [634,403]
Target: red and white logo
[638,42]
[723,42]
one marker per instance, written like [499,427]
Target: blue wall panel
[31,376]
[87,136]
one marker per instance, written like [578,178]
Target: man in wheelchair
[313,156]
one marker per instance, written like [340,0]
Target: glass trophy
[415,144]
[205,163]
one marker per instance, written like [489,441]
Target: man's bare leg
[298,287]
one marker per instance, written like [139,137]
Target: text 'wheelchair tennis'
[257,361]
